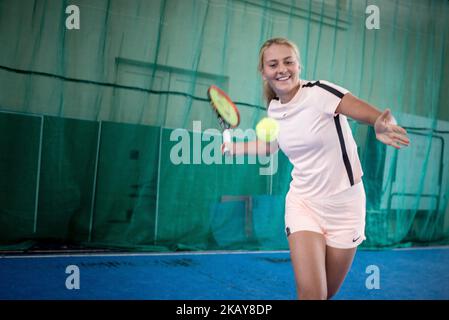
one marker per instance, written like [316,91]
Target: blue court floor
[401,274]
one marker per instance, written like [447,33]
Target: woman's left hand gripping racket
[227,113]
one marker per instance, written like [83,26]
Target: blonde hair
[268,92]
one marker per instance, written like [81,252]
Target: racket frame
[225,125]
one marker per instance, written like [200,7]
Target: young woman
[325,205]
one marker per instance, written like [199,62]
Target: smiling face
[281,70]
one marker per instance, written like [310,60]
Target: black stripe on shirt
[343,149]
[325,87]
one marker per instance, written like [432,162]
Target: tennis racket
[227,113]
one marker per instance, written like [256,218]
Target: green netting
[91,119]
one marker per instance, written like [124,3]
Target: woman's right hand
[228,147]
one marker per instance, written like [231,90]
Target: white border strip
[94,186]
[38,174]
[421,248]
[187,253]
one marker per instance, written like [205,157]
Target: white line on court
[186,253]
[147,254]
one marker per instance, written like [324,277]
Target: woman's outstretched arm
[387,131]
[257,147]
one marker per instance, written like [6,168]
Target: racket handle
[226,139]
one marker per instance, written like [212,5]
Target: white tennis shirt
[317,141]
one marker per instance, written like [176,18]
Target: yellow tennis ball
[267,129]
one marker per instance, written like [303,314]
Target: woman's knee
[312,293]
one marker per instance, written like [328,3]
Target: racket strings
[223,124]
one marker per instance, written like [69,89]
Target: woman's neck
[289,96]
